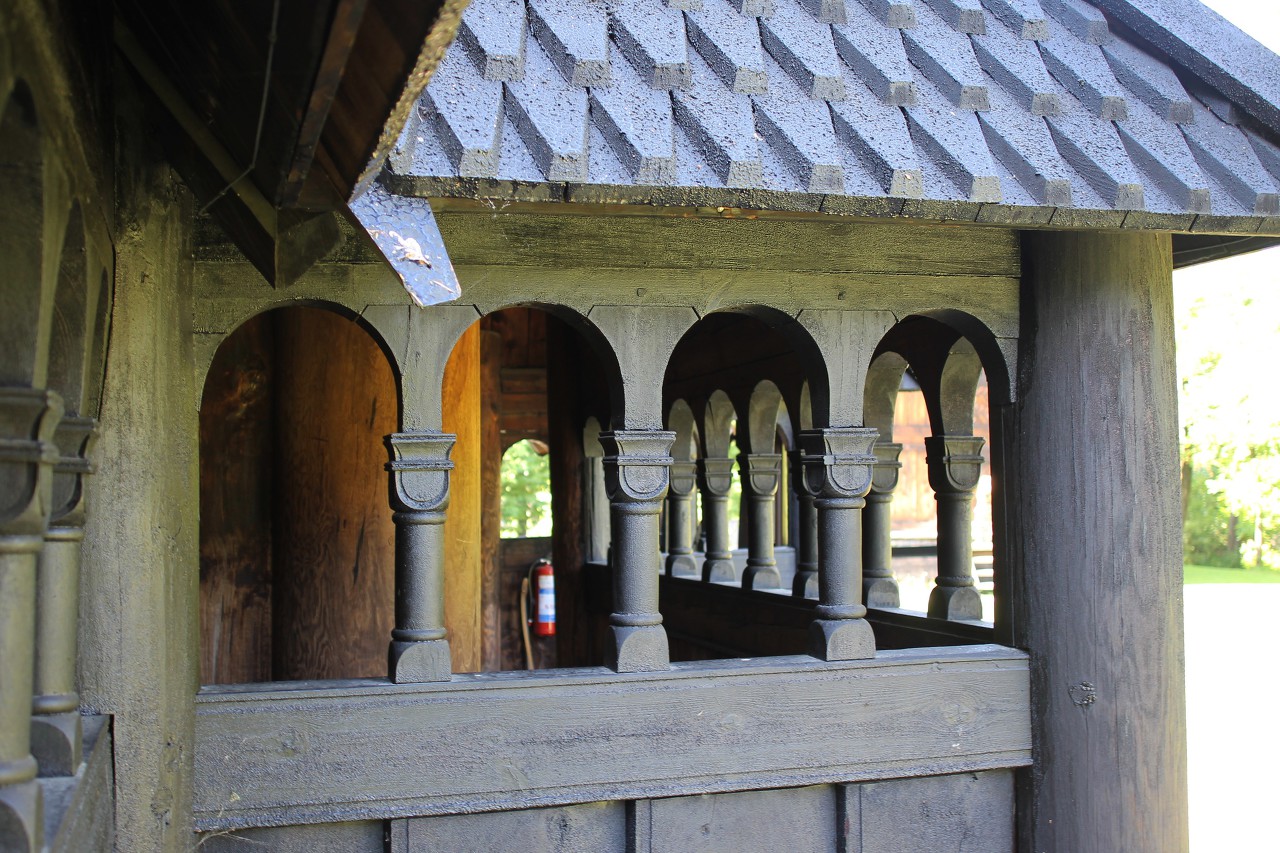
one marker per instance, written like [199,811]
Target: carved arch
[718,416]
[21,239]
[765,409]
[680,420]
[880,397]
[68,346]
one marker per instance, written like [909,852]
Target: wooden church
[284,282]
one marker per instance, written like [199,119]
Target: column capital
[419,469]
[637,464]
[28,419]
[761,472]
[715,475]
[954,462]
[838,462]
[884,474]
[74,438]
[684,478]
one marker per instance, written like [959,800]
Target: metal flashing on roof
[1017,111]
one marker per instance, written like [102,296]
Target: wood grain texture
[585,828]
[797,820]
[490,497]
[347,751]
[462,526]
[936,814]
[236,428]
[82,807]
[1096,547]
[333,539]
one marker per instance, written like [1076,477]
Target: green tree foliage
[526,490]
[1228,316]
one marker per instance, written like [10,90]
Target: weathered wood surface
[462,526]
[1095,568]
[333,538]
[355,750]
[80,809]
[585,828]
[350,837]
[932,814]
[797,820]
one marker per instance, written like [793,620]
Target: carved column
[761,475]
[55,728]
[805,584]
[955,465]
[837,473]
[715,476]
[637,471]
[419,468]
[680,559]
[27,455]
[879,588]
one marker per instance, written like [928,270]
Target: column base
[419,661]
[639,648]
[682,566]
[957,603]
[761,577]
[805,584]
[55,742]
[720,570]
[880,592]
[21,818]
[842,639]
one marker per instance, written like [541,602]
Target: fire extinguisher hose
[524,623]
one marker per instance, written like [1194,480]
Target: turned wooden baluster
[837,473]
[680,559]
[715,477]
[28,419]
[55,728]
[419,469]
[955,466]
[761,475]
[805,583]
[637,472]
[879,588]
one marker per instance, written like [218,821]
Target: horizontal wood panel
[369,749]
[547,240]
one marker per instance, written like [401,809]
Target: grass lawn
[1211,574]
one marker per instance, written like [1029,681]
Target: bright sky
[1258,18]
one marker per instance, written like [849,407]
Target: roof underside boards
[1019,111]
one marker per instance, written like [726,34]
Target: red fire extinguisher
[544,592]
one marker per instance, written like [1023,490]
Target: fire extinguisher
[537,596]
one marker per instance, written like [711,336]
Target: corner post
[761,475]
[419,486]
[955,466]
[680,559]
[805,584]
[637,469]
[879,587]
[28,419]
[837,473]
[55,726]
[715,476]
[1096,571]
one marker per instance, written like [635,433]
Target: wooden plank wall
[462,560]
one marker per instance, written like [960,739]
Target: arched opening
[934,380]
[67,349]
[21,239]
[528,475]
[296,536]
[753,377]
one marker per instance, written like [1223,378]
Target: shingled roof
[1050,112]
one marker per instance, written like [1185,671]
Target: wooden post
[805,584]
[55,728]
[680,560]
[637,471]
[462,557]
[1092,510]
[715,477]
[490,499]
[879,588]
[837,473]
[955,466]
[27,454]
[419,470]
[761,473]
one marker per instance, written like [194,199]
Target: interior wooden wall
[296,539]
[462,575]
